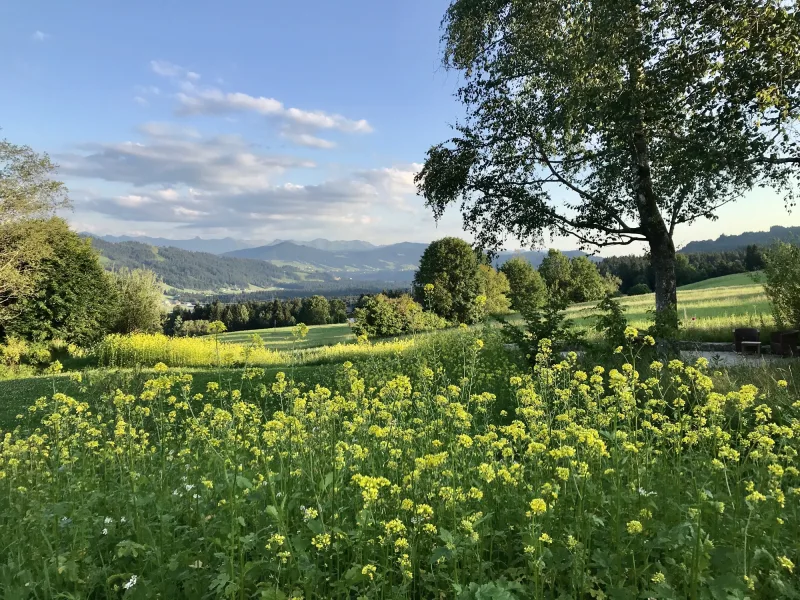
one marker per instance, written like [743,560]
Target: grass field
[708,310]
[281,338]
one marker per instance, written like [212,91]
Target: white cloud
[39,36]
[141,101]
[172,156]
[213,101]
[179,177]
[299,125]
[309,141]
[167,69]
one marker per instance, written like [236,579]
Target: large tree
[615,121]
[28,195]
[74,298]
[450,265]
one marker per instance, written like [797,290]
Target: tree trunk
[662,257]
[662,248]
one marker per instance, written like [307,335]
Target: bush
[782,273]
[611,323]
[381,316]
[639,290]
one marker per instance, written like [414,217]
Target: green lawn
[281,338]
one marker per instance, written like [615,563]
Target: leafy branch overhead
[615,121]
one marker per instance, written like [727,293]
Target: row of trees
[240,316]
[459,284]
[52,284]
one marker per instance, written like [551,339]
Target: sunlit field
[282,338]
[707,313]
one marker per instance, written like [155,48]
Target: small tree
[556,271]
[527,288]
[493,285]
[753,258]
[338,310]
[140,301]
[451,266]
[782,273]
[586,283]
[73,298]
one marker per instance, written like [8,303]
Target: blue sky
[249,119]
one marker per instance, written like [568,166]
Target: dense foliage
[381,316]
[139,301]
[575,279]
[447,279]
[527,289]
[643,481]
[782,271]
[28,196]
[73,298]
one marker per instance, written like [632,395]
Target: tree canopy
[450,265]
[28,195]
[615,121]
[527,288]
[73,299]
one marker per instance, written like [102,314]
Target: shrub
[782,273]
[381,316]
[639,290]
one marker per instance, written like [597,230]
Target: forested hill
[725,243]
[186,270]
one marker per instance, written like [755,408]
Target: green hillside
[738,279]
[199,271]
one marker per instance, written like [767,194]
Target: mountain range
[228,244]
[228,265]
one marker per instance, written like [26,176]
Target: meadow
[708,311]
[445,470]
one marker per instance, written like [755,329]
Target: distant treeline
[634,271]
[253,314]
[339,289]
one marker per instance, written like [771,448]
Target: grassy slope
[739,279]
[708,311]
